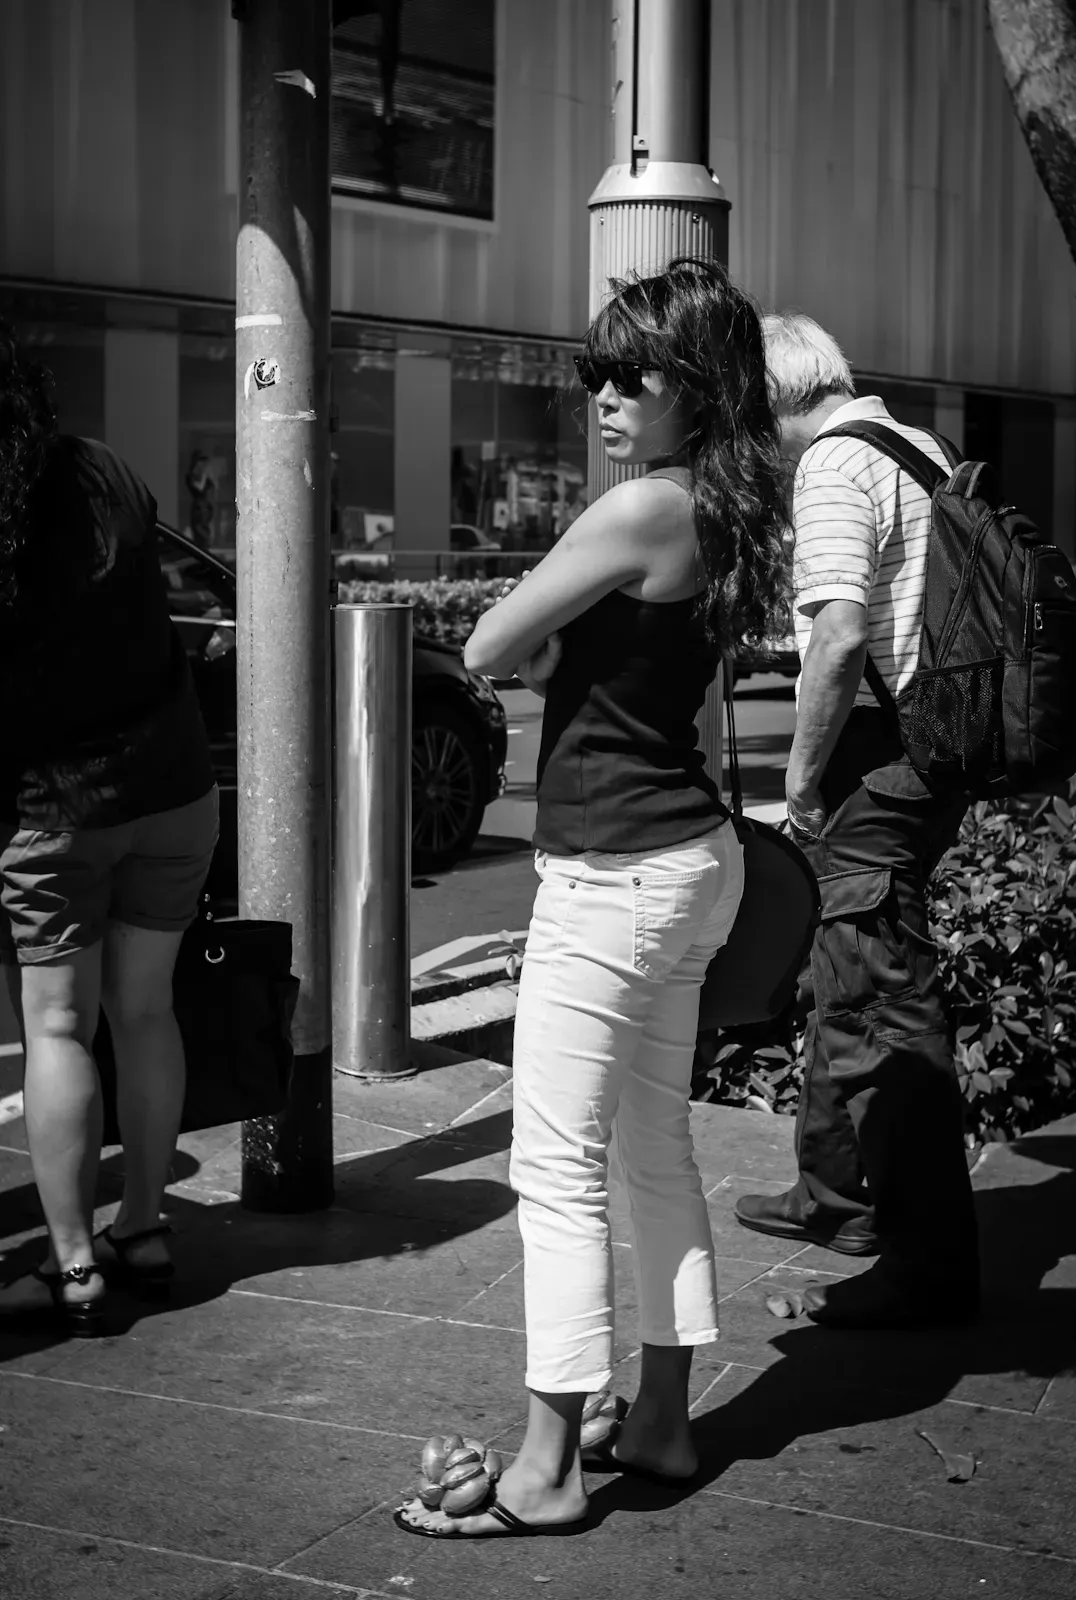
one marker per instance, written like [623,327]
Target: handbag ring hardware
[215,961]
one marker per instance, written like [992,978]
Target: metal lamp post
[282,557]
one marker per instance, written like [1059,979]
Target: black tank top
[619,767]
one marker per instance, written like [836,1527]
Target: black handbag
[234,996]
[753,978]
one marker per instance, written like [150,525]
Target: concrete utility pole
[659,198]
[282,557]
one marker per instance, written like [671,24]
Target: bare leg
[62,1097]
[13,984]
[150,1072]
[656,1431]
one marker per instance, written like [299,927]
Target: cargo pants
[879,1131]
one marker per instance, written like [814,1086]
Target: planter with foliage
[446,609]
[1003,910]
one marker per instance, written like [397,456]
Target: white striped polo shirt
[861,528]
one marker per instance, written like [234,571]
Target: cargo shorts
[59,891]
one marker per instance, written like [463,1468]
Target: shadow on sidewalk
[378,1213]
[828,1380]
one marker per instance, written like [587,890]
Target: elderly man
[880,1141]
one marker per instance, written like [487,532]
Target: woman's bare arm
[613,543]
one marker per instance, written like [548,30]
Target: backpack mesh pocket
[952,720]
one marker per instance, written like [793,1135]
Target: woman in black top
[108,818]
[641,873]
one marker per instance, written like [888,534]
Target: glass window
[519,443]
[1016,435]
[413,103]
[207,441]
[363,454]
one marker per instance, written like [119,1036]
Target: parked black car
[459,737]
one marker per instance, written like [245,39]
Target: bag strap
[735,784]
[948,449]
[916,463]
[881,692]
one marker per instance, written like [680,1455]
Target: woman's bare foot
[655,1441]
[521,1490]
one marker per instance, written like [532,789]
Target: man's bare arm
[832,673]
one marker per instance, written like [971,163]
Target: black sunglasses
[626,377]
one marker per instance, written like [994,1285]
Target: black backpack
[991,708]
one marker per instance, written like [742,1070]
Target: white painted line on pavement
[10,1049]
[10,1108]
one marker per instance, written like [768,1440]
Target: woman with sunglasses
[621,626]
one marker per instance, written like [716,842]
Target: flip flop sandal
[152,1280]
[515,1526]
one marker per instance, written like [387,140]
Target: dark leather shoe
[779,1215]
[874,1300]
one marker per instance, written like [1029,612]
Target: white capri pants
[605,1035]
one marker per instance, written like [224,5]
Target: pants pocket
[668,912]
[860,958]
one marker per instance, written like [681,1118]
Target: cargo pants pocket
[860,961]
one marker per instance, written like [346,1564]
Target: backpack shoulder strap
[947,448]
[915,463]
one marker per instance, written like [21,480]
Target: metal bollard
[371,869]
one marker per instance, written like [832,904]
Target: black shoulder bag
[234,996]
[753,977]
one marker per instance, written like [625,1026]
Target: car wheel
[448,790]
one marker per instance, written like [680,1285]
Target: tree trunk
[1036,40]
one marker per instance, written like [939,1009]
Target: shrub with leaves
[446,609]
[1003,910]
[1004,913]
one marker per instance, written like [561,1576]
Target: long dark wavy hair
[703,334]
[27,431]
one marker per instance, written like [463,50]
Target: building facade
[877,176]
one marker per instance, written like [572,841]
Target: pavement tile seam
[340,1305]
[382,1127]
[213,1405]
[492,1095]
[1043,1397]
[202,1560]
[485,1327]
[710,1387]
[325,1538]
[888,1527]
[946,1400]
[764,1272]
[373,1311]
[490,1286]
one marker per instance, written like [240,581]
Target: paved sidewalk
[248,1441]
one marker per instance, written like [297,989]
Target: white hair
[804,363]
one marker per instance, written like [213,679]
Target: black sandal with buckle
[83,1319]
[153,1279]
